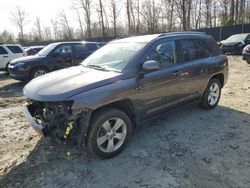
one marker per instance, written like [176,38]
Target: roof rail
[182,33]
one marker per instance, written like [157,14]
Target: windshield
[45,51]
[113,56]
[237,38]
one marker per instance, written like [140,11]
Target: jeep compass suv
[127,81]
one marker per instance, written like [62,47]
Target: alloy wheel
[111,135]
[214,93]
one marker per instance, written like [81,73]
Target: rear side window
[204,48]
[15,49]
[80,49]
[92,47]
[3,51]
[164,53]
[189,49]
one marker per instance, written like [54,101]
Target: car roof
[148,38]
[3,44]
[75,42]
[241,34]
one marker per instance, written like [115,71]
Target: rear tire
[39,71]
[211,96]
[109,133]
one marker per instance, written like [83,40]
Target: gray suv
[126,82]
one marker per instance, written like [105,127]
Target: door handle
[177,73]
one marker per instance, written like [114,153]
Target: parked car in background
[125,82]
[32,50]
[53,57]
[9,52]
[234,45]
[246,53]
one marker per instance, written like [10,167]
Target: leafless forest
[102,18]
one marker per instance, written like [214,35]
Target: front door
[62,56]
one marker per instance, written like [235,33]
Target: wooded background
[112,18]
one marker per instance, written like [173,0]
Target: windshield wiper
[97,67]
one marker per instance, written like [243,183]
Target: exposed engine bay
[59,120]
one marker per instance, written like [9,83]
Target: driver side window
[64,49]
[164,54]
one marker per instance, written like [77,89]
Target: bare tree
[151,15]
[181,12]
[54,24]
[74,6]
[63,19]
[47,33]
[114,14]
[19,19]
[85,4]
[38,28]
[101,18]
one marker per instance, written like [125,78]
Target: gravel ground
[190,147]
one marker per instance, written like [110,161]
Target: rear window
[3,51]
[189,49]
[198,48]
[15,49]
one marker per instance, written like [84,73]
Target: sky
[45,9]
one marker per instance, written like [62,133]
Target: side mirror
[150,66]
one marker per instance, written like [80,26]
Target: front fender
[95,98]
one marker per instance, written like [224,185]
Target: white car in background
[9,52]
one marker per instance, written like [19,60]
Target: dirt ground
[190,147]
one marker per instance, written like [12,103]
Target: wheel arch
[36,67]
[220,77]
[125,105]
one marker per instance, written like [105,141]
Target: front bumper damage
[39,128]
[58,119]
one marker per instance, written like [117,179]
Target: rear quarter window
[15,49]
[2,51]
[215,49]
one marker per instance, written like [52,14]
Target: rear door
[16,51]
[194,52]
[166,87]
[4,57]
[82,51]
[62,56]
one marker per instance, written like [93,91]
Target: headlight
[241,44]
[19,64]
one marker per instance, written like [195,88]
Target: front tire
[109,133]
[212,94]
[39,71]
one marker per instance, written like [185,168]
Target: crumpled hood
[26,58]
[62,84]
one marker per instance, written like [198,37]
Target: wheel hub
[111,135]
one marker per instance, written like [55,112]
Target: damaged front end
[58,119]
